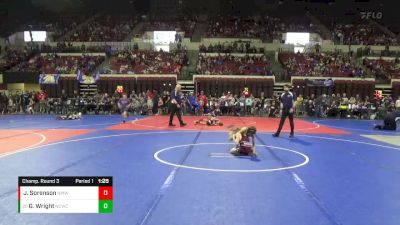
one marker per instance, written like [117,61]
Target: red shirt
[42,96]
[202,98]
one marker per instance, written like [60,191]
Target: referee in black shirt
[287,104]
[176,105]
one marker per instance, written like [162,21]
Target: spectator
[299,105]
[3,103]
[156,100]
[398,103]
[249,104]
[42,98]
[193,103]
[311,107]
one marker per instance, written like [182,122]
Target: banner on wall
[378,94]
[87,79]
[120,89]
[49,78]
[319,82]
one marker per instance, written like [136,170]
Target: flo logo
[371,15]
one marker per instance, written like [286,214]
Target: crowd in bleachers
[12,58]
[56,26]
[146,103]
[343,106]
[68,47]
[235,47]
[335,105]
[229,26]
[228,104]
[105,28]
[185,24]
[233,26]
[299,25]
[227,64]
[358,33]
[26,102]
[53,63]
[320,64]
[148,62]
[383,69]
[266,27]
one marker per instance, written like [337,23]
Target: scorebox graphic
[65,194]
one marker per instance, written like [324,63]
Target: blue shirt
[193,101]
[287,99]
[124,103]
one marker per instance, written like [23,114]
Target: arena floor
[333,172]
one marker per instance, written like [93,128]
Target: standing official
[287,107]
[176,106]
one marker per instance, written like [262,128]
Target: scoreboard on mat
[65,194]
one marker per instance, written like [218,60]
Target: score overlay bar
[65,195]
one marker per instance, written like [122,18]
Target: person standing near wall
[287,107]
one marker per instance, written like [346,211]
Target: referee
[287,104]
[176,106]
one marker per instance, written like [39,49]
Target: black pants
[174,109]
[389,124]
[282,122]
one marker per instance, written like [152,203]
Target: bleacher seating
[383,68]
[12,58]
[216,86]
[267,27]
[224,64]
[148,62]
[59,64]
[322,64]
[358,33]
[185,24]
[105,28]
[55,25]
[235,26]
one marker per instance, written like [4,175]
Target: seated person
[244,140]
[71,116]
[212,120]
[389,121]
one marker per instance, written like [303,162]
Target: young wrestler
[212,120]
[123,104]
[244,140]
[71,116]
[389,121]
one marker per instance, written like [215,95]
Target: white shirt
[398,103]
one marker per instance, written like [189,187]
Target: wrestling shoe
[291,135]
[171,125]
[275,135]
[183,124]
[123,121]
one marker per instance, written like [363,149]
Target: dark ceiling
[22,10]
